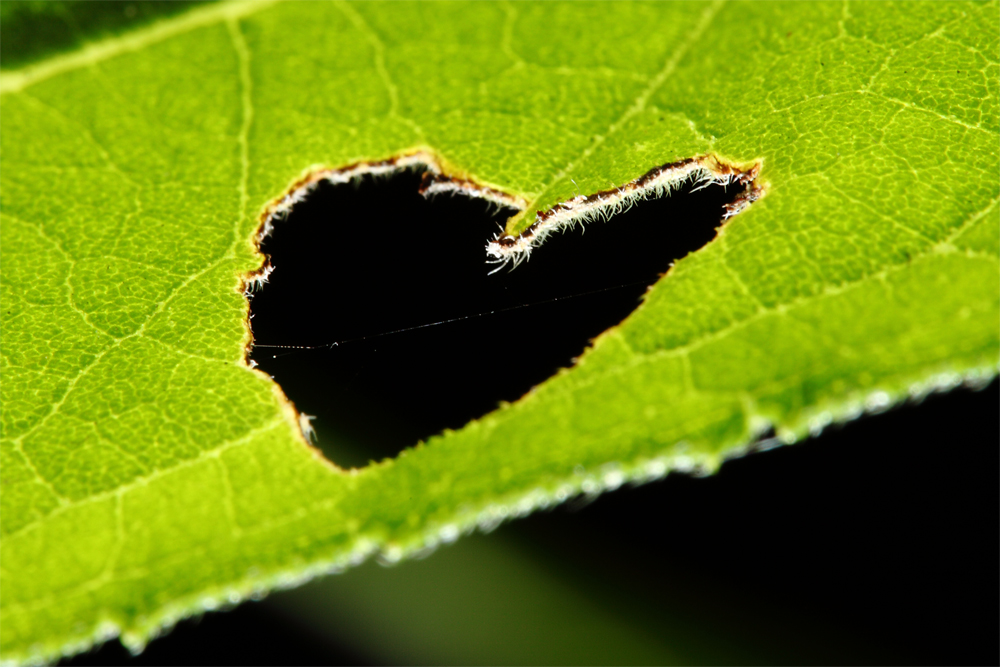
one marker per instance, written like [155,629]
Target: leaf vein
[639,104]
[145,480]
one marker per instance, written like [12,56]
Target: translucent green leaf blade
[148,473]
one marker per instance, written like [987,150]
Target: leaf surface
[148,473]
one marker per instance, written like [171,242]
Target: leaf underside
[148,473]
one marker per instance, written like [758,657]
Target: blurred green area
[34,29]
[485,600]
[501,599]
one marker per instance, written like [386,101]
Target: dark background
[875,543]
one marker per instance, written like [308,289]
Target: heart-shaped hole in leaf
[426,338]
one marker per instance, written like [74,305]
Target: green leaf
[149,474]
